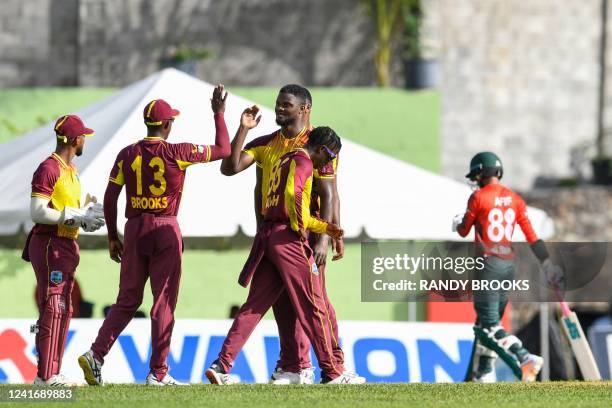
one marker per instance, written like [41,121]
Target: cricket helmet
[485,164]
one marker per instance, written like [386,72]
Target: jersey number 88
[501,224]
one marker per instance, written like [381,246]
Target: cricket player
[153,172]
[494,210]
[281,258]
[293,107]
[51,247]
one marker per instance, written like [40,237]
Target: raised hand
[217,102]
[249,118]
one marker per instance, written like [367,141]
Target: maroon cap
[70,127]
[157,111]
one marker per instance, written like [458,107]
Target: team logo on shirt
[56,277]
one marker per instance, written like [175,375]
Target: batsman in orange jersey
[52,246]
[281,261]
[293,107]
[153,172]
[494,210]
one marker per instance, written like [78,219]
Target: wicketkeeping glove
[90,217]
[554,274]
[457,219]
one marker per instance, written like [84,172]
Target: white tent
[381,196]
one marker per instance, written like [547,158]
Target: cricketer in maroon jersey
[153,172]
[293,106]
[281,260]
[52,246]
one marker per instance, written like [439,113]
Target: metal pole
[544,344]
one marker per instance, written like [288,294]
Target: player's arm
[41,213]
[43,183]
[326,198]
[329,205]
[337,244]
[297,201]
[221,148]
[257,197]
[553,272]
[240,160]
[111,196]
[464,227]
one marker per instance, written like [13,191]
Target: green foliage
[413,18]
[184,53]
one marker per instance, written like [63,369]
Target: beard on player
[284,120]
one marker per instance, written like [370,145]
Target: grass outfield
[22,110]
[558,394]
[399,123]
[207,275]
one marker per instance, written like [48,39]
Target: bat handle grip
[564,307]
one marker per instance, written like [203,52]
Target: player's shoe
[307,375]
[92,368]
[347,377]
[486,378]
[57,380]
[167,380]
[531,367]
[280,377]
[216,375]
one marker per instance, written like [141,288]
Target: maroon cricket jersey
[58,182]
[267,150]
[289,193]
[153,172]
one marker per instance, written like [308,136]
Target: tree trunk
[386,13]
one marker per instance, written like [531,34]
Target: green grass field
[22,110]
[399,123]
[562,394]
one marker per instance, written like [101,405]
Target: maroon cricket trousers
[294,344]
[279,261]
[152,249]
[54,260]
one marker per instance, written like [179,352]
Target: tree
[386,16]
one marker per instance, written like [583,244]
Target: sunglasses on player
[331,154]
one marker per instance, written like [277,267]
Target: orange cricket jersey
[494,210]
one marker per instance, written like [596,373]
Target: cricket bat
[578,342]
